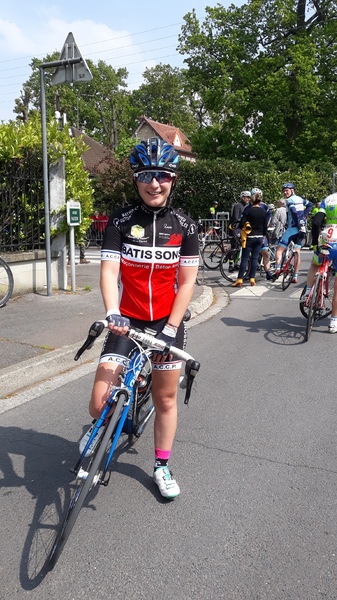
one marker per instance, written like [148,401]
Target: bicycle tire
[289,273]
[211,255]
[6,282]
[312,308]
[84,486]
[224,266]
[139,406]
[201,271]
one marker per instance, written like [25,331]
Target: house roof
[94,158]
[169,133]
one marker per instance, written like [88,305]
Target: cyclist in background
[214,228]
[326,217]
[154,250]
[298,209]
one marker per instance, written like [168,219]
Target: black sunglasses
[160,176]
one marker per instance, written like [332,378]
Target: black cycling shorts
[117,348]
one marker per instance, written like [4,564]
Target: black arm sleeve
[316,226]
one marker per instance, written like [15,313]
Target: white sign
[73,213]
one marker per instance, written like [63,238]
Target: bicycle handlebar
[192,366]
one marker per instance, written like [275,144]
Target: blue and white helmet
[154,153]
[256,191]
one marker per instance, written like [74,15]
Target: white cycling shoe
[168,486]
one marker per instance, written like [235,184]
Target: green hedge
[204,181]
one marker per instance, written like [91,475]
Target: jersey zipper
[152,266]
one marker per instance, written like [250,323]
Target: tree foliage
[101,105]
[266,72]
[163,98]
[18,139]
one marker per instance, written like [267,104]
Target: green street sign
[73,213]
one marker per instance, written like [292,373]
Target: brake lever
[94,332]
[191,369]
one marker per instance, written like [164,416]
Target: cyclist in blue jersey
[298,209]
[326,217]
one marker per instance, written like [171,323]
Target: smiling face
[155,193]
[288,192]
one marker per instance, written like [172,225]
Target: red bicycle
[288,266]
[317,305]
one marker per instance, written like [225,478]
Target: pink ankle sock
[162,454]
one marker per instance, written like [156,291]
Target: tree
[101,105]
[267,74]
[163,98]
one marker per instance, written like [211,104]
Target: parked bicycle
[318,304]
[288,266]
[131,400]
[213,251]
[6,282]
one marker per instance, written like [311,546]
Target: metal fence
[22,206]
[94,235]
[212,229]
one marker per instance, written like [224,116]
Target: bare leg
[106,376]
[164,393]
[334,300]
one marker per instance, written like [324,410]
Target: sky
[129,34]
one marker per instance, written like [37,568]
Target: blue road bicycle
[133,409]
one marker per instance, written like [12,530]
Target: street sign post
[73,220]
[71,67]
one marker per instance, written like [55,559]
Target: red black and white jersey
[150,246]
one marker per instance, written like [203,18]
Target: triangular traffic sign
[70,73]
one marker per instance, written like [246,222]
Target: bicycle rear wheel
[289,271]
[211,255]
[141,410]
[85,485]
[313,306]
[6,282]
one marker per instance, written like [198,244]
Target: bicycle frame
[128,379]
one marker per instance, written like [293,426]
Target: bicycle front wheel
[6,282]
[326,310]
[84,484]
[211,255]
[226,263]
[313,306]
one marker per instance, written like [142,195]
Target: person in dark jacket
[237,210]
[254,222]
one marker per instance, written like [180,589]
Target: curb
[35,370]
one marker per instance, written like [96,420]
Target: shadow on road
[47,462]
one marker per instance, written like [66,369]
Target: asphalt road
[255,456]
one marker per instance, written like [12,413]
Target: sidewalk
[40,335]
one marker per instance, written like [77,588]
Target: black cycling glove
[118,320]
[167,335]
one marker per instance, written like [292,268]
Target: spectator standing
[257,217]
[279,221]
[234,221]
